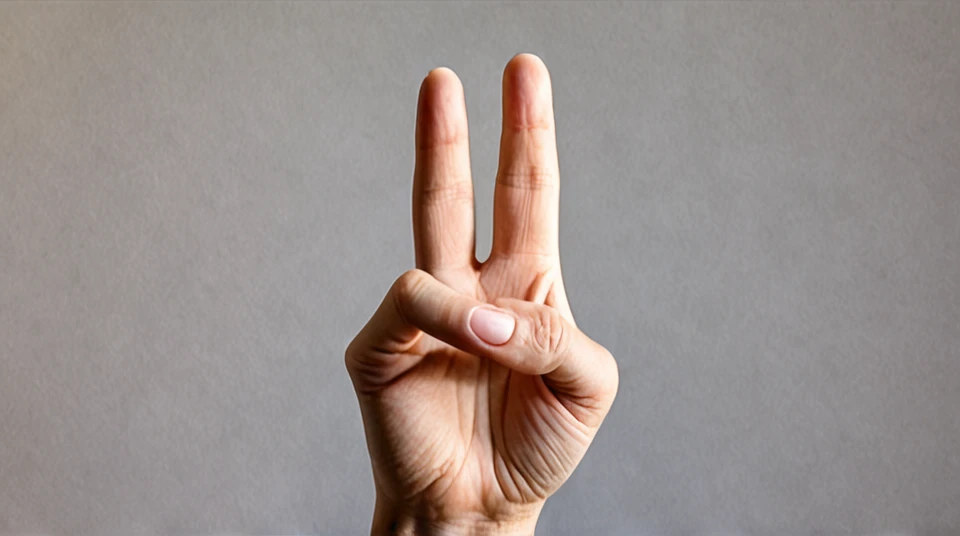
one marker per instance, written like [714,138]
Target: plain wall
[201,204]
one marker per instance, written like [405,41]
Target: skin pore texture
[479,394]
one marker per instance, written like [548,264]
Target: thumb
[526,337]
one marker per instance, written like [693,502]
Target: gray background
[200,205]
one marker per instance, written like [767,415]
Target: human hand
[478,392]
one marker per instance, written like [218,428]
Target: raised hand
[478,392]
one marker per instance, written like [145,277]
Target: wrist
[391,520]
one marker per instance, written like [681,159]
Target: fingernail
[491,325]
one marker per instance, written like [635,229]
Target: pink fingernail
[491,325]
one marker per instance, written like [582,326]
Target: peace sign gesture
[478,392]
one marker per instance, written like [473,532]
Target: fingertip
[526,60]
[441,71]
[441,110]
[440,82]
[525,71]
[527,93]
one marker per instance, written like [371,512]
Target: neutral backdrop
[201,204]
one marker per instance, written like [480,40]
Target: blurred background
[202,203]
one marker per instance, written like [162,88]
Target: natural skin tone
[478,392]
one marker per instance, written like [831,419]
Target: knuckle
[407,287]
[607,378]
[350,356]
[612,378]
[549,334]
[348,361]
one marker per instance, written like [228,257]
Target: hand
[478,392]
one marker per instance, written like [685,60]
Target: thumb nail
[491,325]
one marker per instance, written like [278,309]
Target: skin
[468,437]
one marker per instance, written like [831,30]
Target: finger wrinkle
[522,127]
[455,191]
[441,139]
[529,178]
